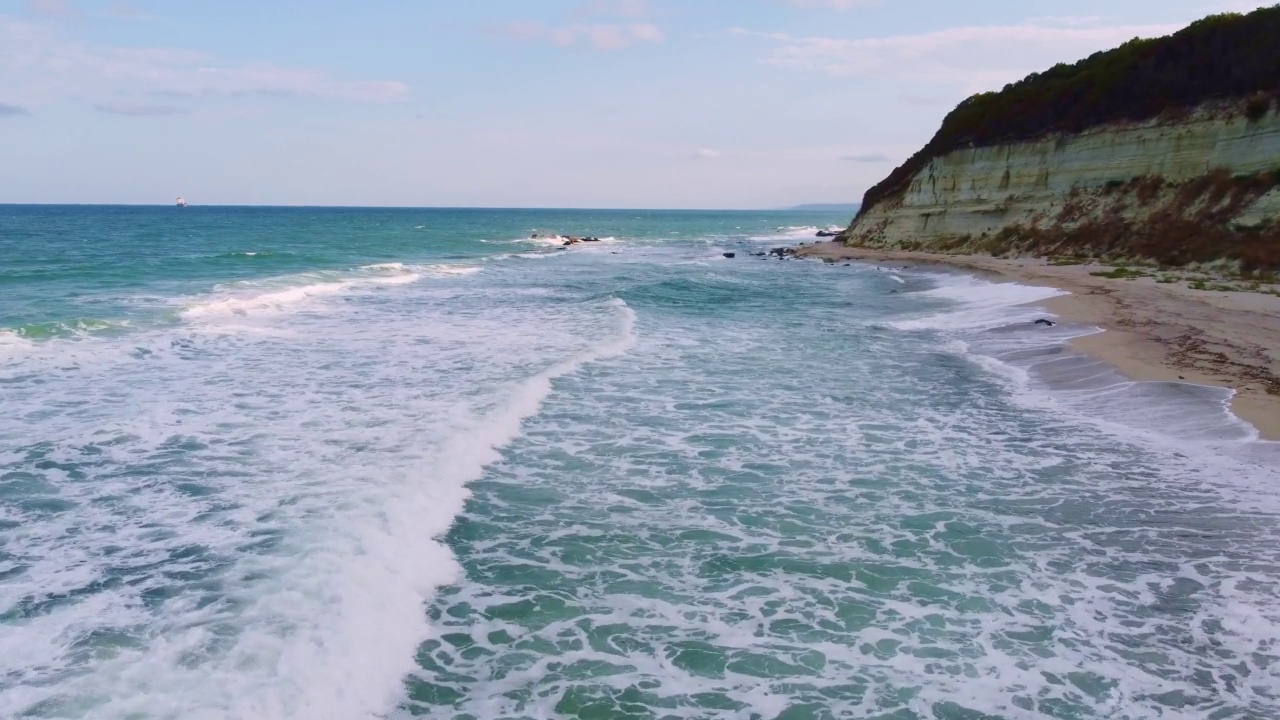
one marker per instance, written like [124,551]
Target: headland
[1144,181]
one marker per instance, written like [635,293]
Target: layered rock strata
[1198,187]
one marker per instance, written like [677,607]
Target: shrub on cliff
[1221,57]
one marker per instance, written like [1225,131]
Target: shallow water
[409,463]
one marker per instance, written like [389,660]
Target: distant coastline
[851,208]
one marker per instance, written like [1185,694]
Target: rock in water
[729,254]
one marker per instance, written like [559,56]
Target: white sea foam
[276,300]
[889,540]
[451,269]
[798,230]
[560,240]
[278,569]
[994,329]
[282,294]
[11,341]
[791,233]
[982,304]
[545,240]
[250,525]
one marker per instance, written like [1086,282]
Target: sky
[511,103]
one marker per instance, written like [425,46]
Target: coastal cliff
[1140,152]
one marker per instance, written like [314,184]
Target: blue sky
[567,103]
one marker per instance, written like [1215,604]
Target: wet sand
[1153,331]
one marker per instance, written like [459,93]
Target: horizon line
[796,207]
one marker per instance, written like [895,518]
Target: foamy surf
[401,270]
[885,530]
[249,298]
[277,300]
[11,341]
[982,304]
[560,240]
[994,329]
[297,561]
[605,485]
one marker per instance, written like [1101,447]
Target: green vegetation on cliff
[1221,57]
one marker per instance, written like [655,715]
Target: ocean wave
[559,240]
[68,328]
[994,329]
[280,294]
[789,233]
[266,301]
[10,340]
[255,254]
[545,240]
[982,304]
[450,269]
[328,553]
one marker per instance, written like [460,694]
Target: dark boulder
[729,254]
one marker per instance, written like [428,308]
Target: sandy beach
[1154,331]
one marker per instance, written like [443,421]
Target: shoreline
[1153,332]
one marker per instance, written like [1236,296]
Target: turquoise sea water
[346,463]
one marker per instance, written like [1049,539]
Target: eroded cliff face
[1200,187]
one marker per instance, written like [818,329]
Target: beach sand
[1153,331]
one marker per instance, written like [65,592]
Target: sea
[389,463]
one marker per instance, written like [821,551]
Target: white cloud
[970,58]
[602,36]
[137,110]
[51,7]
[926,100]
[41,62]
[866,158]
[833,4]
[1242,6]
[126,10]
[616,8]
[646,32]
[705,154]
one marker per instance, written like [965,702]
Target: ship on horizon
[181,201]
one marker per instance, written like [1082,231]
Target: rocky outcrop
[1128,189]
[1166,148]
